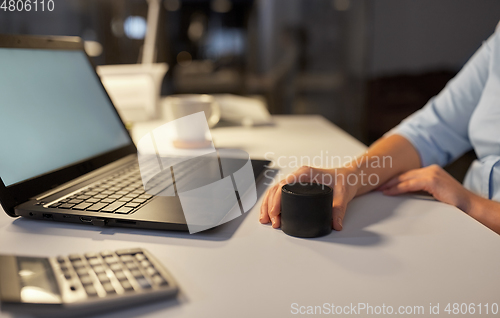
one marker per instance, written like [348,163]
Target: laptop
[65,154]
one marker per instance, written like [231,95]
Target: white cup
[178,106]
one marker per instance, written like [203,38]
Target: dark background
[363,64]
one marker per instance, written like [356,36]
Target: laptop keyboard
[121,193]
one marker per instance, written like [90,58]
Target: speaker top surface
[307,189]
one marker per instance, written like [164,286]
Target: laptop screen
[53,113]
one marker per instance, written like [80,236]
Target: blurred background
[363,64]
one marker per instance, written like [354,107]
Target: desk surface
[403,251]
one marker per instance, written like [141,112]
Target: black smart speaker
[306,209]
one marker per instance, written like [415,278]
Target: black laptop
[65,154]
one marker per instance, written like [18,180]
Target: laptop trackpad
[162,209]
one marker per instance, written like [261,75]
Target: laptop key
[92,200]
[112,207]
[83,197]
[55,205]
[100,196]
[124,210]
[107,200]
[82,206]
[132,204]
[75,201]
[97,207]
[66,206]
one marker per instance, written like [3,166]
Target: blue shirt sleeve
[439,131]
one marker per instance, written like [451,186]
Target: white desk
[403,251]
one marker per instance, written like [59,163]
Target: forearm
[485,211]
[386,158]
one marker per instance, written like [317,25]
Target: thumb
[339,207]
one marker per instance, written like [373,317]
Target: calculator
[81,284]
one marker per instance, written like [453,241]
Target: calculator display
[37,280]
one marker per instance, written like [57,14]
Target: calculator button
[67,275]
[131,266]
[94,261]
[127,258]
[64,268]
[98,269]
[151,271]
[108,288]
[91,255]
[120,275]
[78,264]
[110,260]
[140,257]
[158,280]
[82,272]
[106,253]
[103,278]
[145,264]
[90,289]
[115,267]
[86,280]
[126,285]
[74,257]
[143,282]
[136,273]
[61,260]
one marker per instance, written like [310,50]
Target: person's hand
[434,180]
[335,178]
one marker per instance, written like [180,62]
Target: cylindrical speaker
[306,209]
